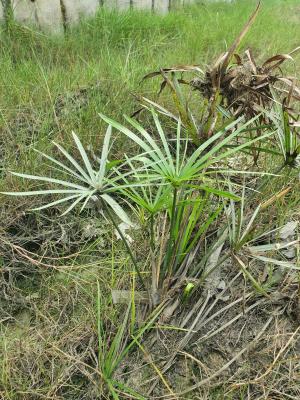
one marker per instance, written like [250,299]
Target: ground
[246,345]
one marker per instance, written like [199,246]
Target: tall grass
[107,57]
[53,85]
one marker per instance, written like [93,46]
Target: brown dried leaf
[175,68]
[268,65]
[239,38]
[251,61]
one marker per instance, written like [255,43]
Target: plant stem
[154,265]
[152,232]
[137,270]
[171,237]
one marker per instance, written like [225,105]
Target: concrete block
[76,9]
[24,12]
[161,6]
[49,15]
[123,4]
[111,4]
[1,12]
[142,4]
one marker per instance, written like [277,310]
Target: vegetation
[204,199]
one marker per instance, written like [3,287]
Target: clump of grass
[194,211]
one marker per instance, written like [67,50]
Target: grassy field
[51,309]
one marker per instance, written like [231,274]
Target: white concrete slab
[76,9]
[87,7]
[142,4]
[123,4]
[24,12]
[110,4]
[49,15]
[161,6]
[1,12]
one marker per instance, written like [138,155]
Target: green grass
[50,86]
[115,51]
[108,57]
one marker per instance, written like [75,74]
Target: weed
[220,282]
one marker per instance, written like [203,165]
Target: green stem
[137,270]
[152,244]
[155,267]
[172,234]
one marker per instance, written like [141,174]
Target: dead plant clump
[245,87]
[234,85]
